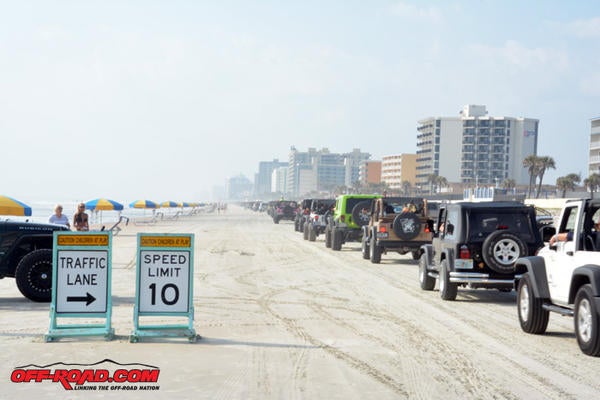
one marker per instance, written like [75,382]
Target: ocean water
[42,210]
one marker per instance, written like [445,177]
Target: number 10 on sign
[164,281]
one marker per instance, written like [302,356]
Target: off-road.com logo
[106,375]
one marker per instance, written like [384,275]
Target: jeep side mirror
[547,232]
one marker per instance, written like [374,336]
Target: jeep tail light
[316,217]
[382,229]
[464,252]
[502,227]
[427,229]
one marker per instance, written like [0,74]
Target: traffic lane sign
[164,281]
[81,281]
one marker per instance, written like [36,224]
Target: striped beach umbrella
[10,206]
[103,204]
[169,204]
[144,204]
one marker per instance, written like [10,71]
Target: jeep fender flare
[536,267]
[427,251]
[581,275]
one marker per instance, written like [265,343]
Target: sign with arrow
[81,285]
[81,281]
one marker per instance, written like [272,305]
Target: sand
[283,318]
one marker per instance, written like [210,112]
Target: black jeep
[26,255]
[284,209]
[477,244]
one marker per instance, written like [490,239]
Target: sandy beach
[284,318]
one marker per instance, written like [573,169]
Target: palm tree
[592,182]
[531,162]
[406,188]
[544,163]
[509,184]
[567,182]
[431,179]
[441,182]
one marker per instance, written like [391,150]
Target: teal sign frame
[81,284]
[164,285]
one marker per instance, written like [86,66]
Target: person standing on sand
[80,219]
[58,217]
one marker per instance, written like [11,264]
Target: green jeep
[350,215]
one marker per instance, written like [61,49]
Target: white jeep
[565,277]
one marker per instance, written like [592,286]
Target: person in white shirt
[58,217]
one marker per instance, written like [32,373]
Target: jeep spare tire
[407,226]
[360,218]
[501,249]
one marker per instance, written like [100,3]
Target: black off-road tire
[501,249]
[416,255]
[358,217]
[336,239]
[312,233]
[275,220]
[34,275]
[365,248]
[532,317]
[448,290]
[375,251]
[425,281]
[305,231]
[328,236]
[587,323]
[407,226]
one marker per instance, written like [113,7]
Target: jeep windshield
[481,224]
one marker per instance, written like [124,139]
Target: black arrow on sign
[88,298]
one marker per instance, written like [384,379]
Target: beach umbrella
[103,204]
[10,206]
[144,204]
[169,204]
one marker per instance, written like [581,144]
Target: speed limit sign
[164,283]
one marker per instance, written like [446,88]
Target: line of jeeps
[500,245]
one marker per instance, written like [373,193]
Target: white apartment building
[398,168]
[594,162]
[475,148]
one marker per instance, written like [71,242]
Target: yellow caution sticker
[165,241]
[83,240]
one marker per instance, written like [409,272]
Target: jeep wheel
[336,239]
[364,247]
[416,255]
[426,281]
[296,225]
[587,325]
[532,317]
[328,236]
[312,233]
[34,275]
[305,231]
[448,290]
[407,226]
[360,218]
[375,251]
[501,249]
[276,220]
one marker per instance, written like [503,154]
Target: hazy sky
[165,99]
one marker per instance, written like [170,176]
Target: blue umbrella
[103,204]
[144,204]
[10,206]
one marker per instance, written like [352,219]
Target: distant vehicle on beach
[26,255]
